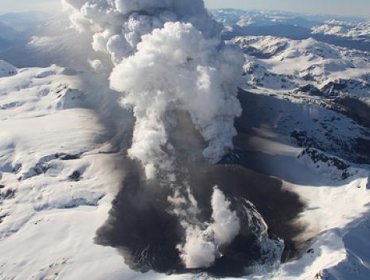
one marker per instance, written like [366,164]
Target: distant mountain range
[17,28]
[350,32]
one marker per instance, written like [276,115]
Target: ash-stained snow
[49,217]
[306,120]
[307,132]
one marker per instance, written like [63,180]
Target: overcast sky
[338,7]
[28,5]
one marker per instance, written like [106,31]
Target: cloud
[167,56]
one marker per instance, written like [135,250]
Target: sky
[28,5]
[336,7]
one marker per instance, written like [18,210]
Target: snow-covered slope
[281,64]
[59,172]
[307,104]
[348,32]
[336,191]
[54,181]
[353,30]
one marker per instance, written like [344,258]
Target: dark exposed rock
[17,167]
[354,109]
[332,88]
[64,156]
[7,194]
[362,148]
[2,217]
[38,169]
[318,156]
[310,90]
[357,150]
[75,176]
[302,139]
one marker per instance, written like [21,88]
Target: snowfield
[283,64]
[354,30]
[57,181]
[54,180]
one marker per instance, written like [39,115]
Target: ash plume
[167,60]
[166,55]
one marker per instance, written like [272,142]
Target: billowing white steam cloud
[202,245]
[167,56]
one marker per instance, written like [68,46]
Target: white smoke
[226,224]
[202,246]
[167,56]
[183,72]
